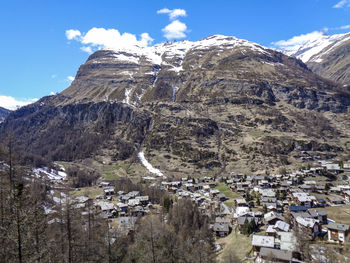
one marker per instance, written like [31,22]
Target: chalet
[144,200]
[241,211]
[223,220]
[267,193]
[122,207]
[221,229]
[287,241]
[138,211]
[333,168]
[221,197]
[303,199]
[272,217]
[108,191]
[266,199]
[260,241]
[309,226]
[335,200]
[107,208]
[214,192]
[281,226]
[320,215]
[241,202]
[346,166]
[346,195]
[134,202]
[274,255]
[337,232]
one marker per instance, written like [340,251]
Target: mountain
[327,55]
[204,107]
[3,113]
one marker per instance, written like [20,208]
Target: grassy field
[224,189]
[88,191]
[341,214]
[235,244]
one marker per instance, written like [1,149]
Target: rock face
[328,56]
[3,113]
[193,107]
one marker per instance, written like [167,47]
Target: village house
[308,226]
[335,200]
[259,241]
[271,218]
[303,199]
[274,255]
[240,202]
[287,241]
[346,195]
[221,229]
[337,232]
[107,208]
[320,215]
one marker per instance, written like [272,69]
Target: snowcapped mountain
[327,55]
[168,105]
[314,49]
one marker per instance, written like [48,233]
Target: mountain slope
[216,66]
[3,113]
[328,56]
[203,107]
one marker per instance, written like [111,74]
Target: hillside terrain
[3,113]
[205,107]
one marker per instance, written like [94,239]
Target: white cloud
[98,38]
[293,44]
[13,104]
[86,49]
[342,4]
[173,13]
[175,30]
[73,34]
[52,93]
[344,27]
[70,78]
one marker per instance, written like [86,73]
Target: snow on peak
[157,53]
[312,49]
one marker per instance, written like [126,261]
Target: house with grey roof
[337,232]
[274,255]
[259,241]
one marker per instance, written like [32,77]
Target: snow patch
[50,174]
[149,166]
[127,96]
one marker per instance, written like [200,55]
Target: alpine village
[218,150]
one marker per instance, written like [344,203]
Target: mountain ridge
[229,106]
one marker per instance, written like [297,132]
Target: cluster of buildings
[279,207]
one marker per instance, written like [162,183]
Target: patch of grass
[224,189]
[91,192]
[257,133]
[341,214]
[114,171]
[236,244]
[230,203]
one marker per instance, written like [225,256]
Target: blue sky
[37,58]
